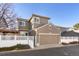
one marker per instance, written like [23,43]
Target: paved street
[60,51]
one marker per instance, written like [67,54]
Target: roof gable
[38,16]
[48,28]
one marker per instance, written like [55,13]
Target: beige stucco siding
[48,28]
[42,21]
[48,35]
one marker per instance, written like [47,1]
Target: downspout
[60,37]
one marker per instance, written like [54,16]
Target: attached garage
[48,34]
[48,38]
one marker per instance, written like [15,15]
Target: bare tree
[7,16]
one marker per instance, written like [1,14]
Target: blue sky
[65,14]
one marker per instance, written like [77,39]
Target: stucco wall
[48,35]
[42,22]
[48,28]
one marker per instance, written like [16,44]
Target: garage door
[48,38]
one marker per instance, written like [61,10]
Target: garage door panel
[48,39]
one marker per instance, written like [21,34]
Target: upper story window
[22,23]
[36,20]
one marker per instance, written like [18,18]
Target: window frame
[22,23]
[37,20]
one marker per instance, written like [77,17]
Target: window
[36,20]
[22,23]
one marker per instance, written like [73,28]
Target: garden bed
[16,47]
[73,42]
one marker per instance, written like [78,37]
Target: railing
[7,41]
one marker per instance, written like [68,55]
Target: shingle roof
[63,28]
[69,33]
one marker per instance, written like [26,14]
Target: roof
[21,19]
[23,30]
[69,33]
[48,28]
[8,31]
[62,29]
[39,16]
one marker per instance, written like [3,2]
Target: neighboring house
[45,32]
[69,36]
[23,26]
[12,24]
[4,30]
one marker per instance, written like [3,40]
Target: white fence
[69,39]
[7,41]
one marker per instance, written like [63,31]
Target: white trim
[42,26]
[48,34]
[22,23]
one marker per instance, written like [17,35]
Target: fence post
[15,37]
[27,39]
[0,38]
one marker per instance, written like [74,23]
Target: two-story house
[45,32]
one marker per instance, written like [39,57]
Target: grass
[16,47]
